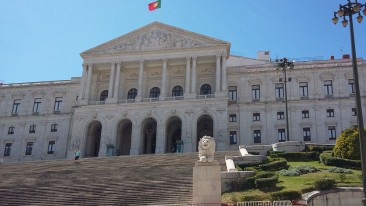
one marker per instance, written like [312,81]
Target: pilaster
[164,80]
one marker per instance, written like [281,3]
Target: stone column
[141,76]
[223,76]
[163,85]
[160,139]
[82,83]
[218,74]
[194,62]
[135,139]
[88,82]
[188,74]
[111,80]
[116,82]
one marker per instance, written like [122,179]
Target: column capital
[218,56]
[188,58]
[164,60]
[141,61]
[194,57]
[84,65]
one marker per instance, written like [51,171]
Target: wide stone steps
[123,180]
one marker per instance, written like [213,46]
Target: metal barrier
[255,203]
[209,204]
[282,203]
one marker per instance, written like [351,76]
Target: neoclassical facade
[158,89]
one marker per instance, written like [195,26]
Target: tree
[348,145]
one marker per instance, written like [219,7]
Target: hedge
[325,184]
[327,159]
[266,183]
[299,156]
[286,195]
[274,166]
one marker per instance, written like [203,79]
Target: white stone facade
[158,89]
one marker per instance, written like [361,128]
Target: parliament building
[159,89]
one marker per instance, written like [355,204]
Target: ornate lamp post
[284,64]
[349,9]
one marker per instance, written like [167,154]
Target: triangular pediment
[153,37]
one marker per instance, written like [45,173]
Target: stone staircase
[123,180]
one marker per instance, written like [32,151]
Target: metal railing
[206,96]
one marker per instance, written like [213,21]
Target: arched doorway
[173,131]
[93,139]
[148,136]
[204,127]
[124,131]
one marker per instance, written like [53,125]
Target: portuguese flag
[155,5]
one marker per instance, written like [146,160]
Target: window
[11,130]
[256,116]
[32,129]
[233,138]
[256,92]
[57,107]
[51,147]
[37,105]
[232,94]
[328,88]
[132,93]
[306,133]
[280,115]
[303,89]
[257,136]
[330,112]
[177,91]
[154,92]
[305,114]
[54,128]
[281,135]
[332,132]
[103,95]
[205,89]
[16,105]
[7,149]
[351,86]
[28,149]
[232,118]
[354,112]
[279,90]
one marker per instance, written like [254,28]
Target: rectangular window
[279,91]
[16,106]
[11,130]
[332,132]
[32,129]
[306,133]
[28,149]
[351,86]
[256,93]
[232,94]
[257,136]
[37,105]
[51,147]
[232,118]
[54,128]
[328,88]
[57,107]
[305,114]
[256,116]
[280,115]
[303,86]
[354,112]
[330,112]
[233,138]
[7,149]
[281,135]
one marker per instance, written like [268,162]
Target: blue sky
[40,40]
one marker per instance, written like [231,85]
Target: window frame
[51,147]
[57,105]
[103,95]
[330,112]
[351,86]
[256,92]
[257,136]
[304,89]
[132,93]
[280,115]
[280,91]
[233,137]
[281,134]
[177,91]
[32,128]
[16,106]
[328,88]
[305,114]
[205,89]
[233,94]
[256,116]
[154,92]
[306,132]
[37,105]
[11,130]
[7,149]
[332,132]
[232,117]
[53,127]
[29,148]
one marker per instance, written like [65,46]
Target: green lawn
[302,183]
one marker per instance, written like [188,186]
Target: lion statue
[206,149]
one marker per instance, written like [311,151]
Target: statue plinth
[206,182]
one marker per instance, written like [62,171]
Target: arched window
[132,93]
[154,92]
[205,89]
[103,95]
[177,91]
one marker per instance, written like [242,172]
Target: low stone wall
[339,197]
[261,149]
[290,146]
[249,159]
[228,177]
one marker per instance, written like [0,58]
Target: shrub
[245,183]
[304,169]
[340,170]
[327,159]
[299,156]
[348,145]
[297,171]
[290,172]
[286,195]
[325,184]
[245,197]
[266,183]
[318,148]
[274,166]
[274,154]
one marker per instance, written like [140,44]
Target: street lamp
[345,10]
[284,64]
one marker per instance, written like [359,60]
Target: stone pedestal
[207,182]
